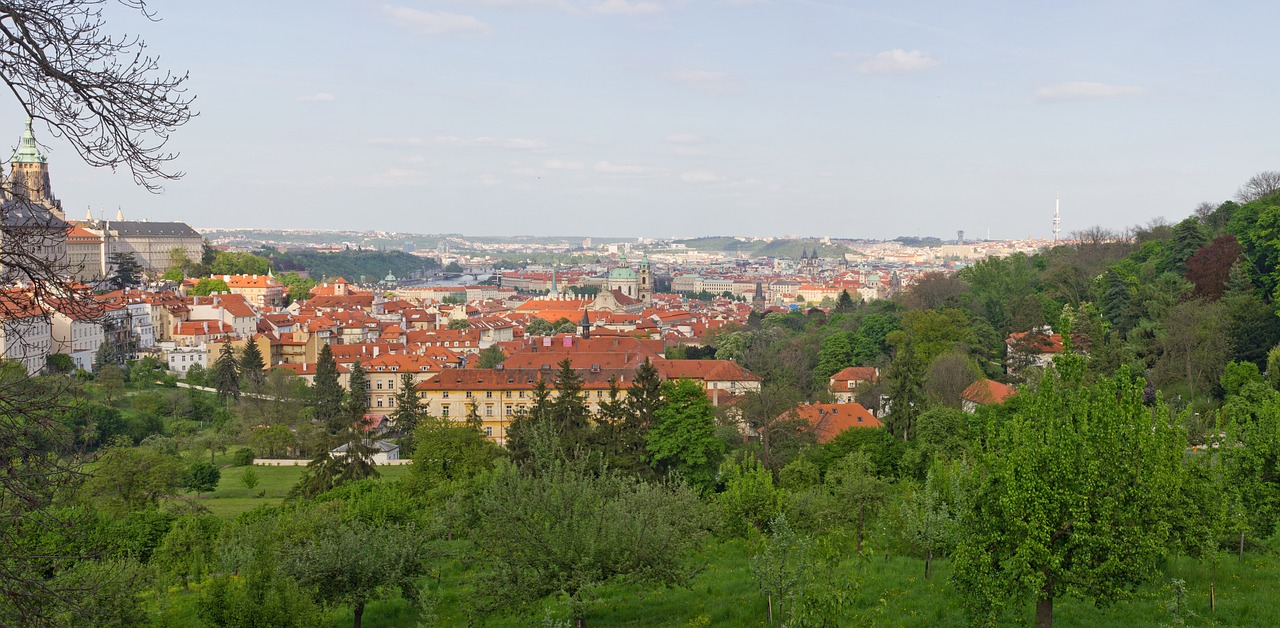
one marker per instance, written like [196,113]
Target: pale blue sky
[702,117]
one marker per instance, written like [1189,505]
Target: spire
[119,214]
[28,152]
[88,215]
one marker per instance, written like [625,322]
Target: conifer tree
[225,374]
[568,410]
[408,413]
[252,365]
[906,389]
[358,393]
[327,393]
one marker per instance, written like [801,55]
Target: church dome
[622,272]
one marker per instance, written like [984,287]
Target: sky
[661,118]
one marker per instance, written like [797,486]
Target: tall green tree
[357,401]
[327,394]
[683,439]
[408,412]
[252,365]
[125,270]
[446,450]
[905,377]
[225,374]
[1073,498]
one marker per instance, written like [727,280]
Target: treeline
[353,264]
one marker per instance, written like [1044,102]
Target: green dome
[622,272]
[28,152]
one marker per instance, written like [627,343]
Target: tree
[357,402]
[947,378]
[1210,267]
[590,527]
[408,412]
[1259,186]
[931,512]
[207,286]
[539,327]
[1073,498]
[1188,239]
[845,302]
[189,548]
[683,437]
[354,562]
[225,374]
[568,411]
[201,477]
[249,478]
[252,366]
[854,481]
[327,394]
[133,478]
[351,461]
[906,388]
[460,324]
[110,380]
[126,271]
[749,501]
[491,357]
[445,451]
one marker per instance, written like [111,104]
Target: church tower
[646,281]
[29,175]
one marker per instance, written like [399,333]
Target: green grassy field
[232,498]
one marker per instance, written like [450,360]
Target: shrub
[243,457]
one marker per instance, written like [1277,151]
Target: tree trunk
[770,598]
[1044,607]
[1242,546]
[928,563]
[580,622]
[359,611]
[1213,601]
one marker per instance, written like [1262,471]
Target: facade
[26,335]
[76,332]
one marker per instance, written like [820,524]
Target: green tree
[749,501]
[683,436]
[591,527]
[460,324]
[1073,496]
[189,549]
[249,478]
[446,450]
[238,263]
[355,562]
[110,380]
[853,481]
[408,412]
[207,286]
[539,327]
[930,513]
[225,374]
[836,354]
[173,274]
[133,478]
[491,357]
[353,460]
[201,477]
[568,411]
[845,302]
[125,269]
[905,377]
[252,366]
[327,394]
[357,402]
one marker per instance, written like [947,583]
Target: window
[379,402]
[488,410]
[488,394]
[444,412]
[446,394]
[508,394]
[522,394]
[488,431]
[468,394]
[379,384]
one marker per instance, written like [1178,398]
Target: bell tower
[645,291]
[29,175]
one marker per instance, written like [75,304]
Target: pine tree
[906,390]
[357,402]
[407,414]
[126,271]
[225,374]
[326,392]
[520,434]
[251,365]
[569,412]
[845,302]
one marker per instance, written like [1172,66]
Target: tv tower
[1057,218]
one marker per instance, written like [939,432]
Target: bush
[243,457]
[201,477]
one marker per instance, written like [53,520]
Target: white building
[76,331]
[180,359]
[25,332]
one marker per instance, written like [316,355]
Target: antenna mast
[1057,218]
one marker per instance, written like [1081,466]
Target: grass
[232,498]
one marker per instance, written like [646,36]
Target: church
[625,290]
[32,225]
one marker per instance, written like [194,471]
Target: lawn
[232,498]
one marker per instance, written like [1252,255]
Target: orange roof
[987,392]
[830,419]
[704,370]
[856,374]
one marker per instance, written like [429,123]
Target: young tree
[189,549]
[491,357]
[853,480]
[225,374]
[1074,496]
[249,478]
[208,286]
[110,381]
[931,512]
[683,437]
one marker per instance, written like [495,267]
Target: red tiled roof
[987,392]
[830,419]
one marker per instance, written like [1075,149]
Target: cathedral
[626,289]
[32,225]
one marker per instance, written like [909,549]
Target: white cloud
[428,23]
[706,80]
[1085,90]
[701,176]
[626,7]
[514,143]
[633,169]
[396,141]
[896,61]
[318,97]
[556,164]
[488,180]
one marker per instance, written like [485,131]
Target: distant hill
[760,248]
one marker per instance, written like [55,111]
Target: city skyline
[648,119]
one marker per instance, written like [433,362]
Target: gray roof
[380,445]
[30,215]
[127,228]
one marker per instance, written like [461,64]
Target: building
[77,331]
[844,385]
[158,246]
[259,290]
[26,335]
[828,420]
[33,231]
[985,392]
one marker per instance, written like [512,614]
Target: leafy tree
[329,470]
[327,394]
[683,437]
[110,381]
[870,340]
[835,355]
[539,327]
[207,286]
[189,549]
[1259,186]
[590,528]
[1074,497]
[931,512]
[252,366]
[225,374]
[298,288]
[460,324]
[133,478]
[201,477]
[906,388]
[568,411]
[1209,269]
[238,263]
[491,357]
[854,481]
[196,375]
[749,501]
[355,562]
[446,450]
[173,274]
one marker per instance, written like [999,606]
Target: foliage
[682,439]
[243,457]
[446,450]
[201,477]
[239,263]
[208,286]
[131,478]
[491,357]
[749,500]
[225,374]
[252,366]
[327,394]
